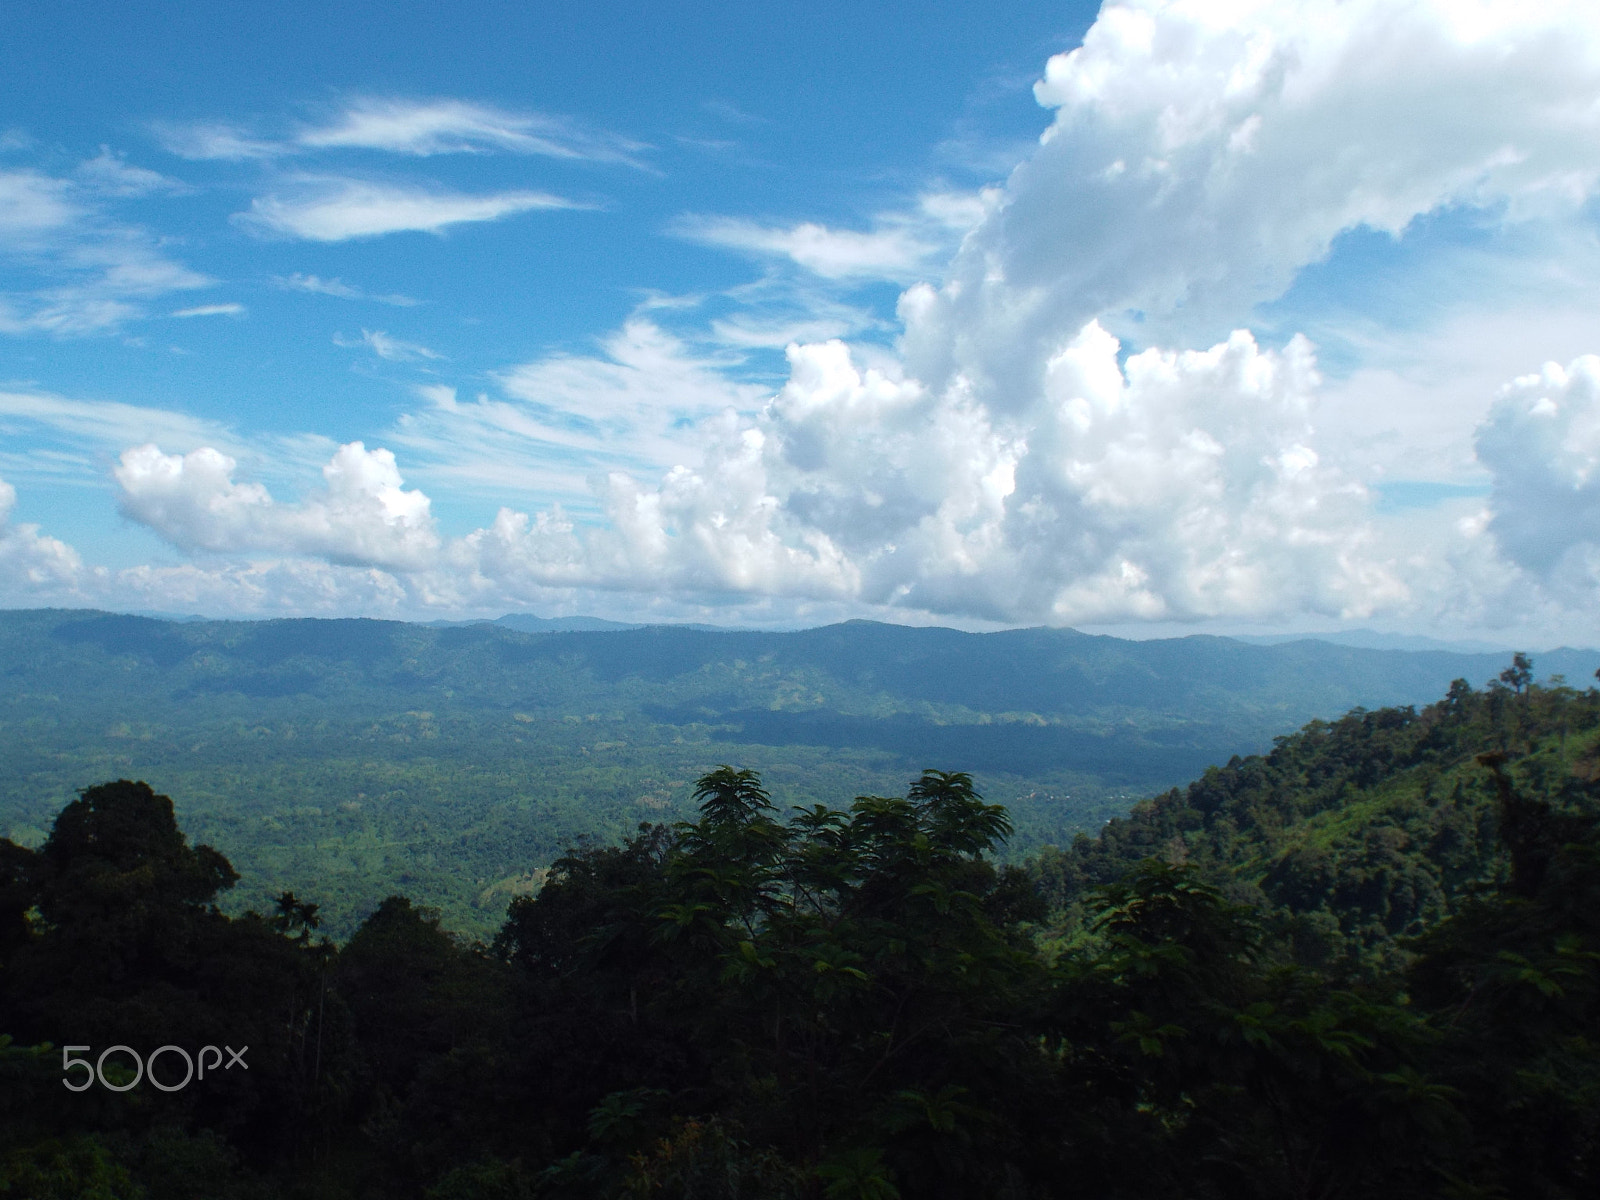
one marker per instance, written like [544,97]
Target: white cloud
[128,265]
[341,289]
[212,310]
[109,174]
[746,330]
[31,564]
[1185,487]
[640,405]
[900,246]
[66,312]
[362,516]
[1410,408]
[1201,154]
[1541,441]
[831,253]
[390,348]
[644,373]
[202,141]
[104,425]
[1180,486]
[1005,462]
[1176,486]
[38,569]
[713,530]
[766,313]
[455,126]
[413,127]
[335,210]
[88,272]
[32,204]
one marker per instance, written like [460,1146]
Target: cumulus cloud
[1201,154]
[1541,441]
[336,210]
[32,564]
[362,516]
[38,569]
[1174,486]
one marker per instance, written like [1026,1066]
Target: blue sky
[1236,317]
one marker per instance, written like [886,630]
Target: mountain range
[345,758]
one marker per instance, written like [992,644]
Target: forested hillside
[1366,964]
[1358,833]
[363,757]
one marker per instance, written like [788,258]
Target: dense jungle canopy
[1365,964]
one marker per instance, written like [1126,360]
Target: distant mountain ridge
[446,758]
[1366,639]
[1371,639]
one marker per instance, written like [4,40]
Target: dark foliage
[1365,965]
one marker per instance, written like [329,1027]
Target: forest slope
[1361,832]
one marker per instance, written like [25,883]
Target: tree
[291,914]
[129,948]
[18,895]
[1519,674]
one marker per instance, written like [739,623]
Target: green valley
[355,758]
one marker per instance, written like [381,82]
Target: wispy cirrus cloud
[104,425]
[70,440]
[342,290]
[831,253]
[212,310]
[76,270]
[110,174]
[390,348]
[642,403]
[203,141]
[898,247]
[429,127]
[338,209]
[420,128]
